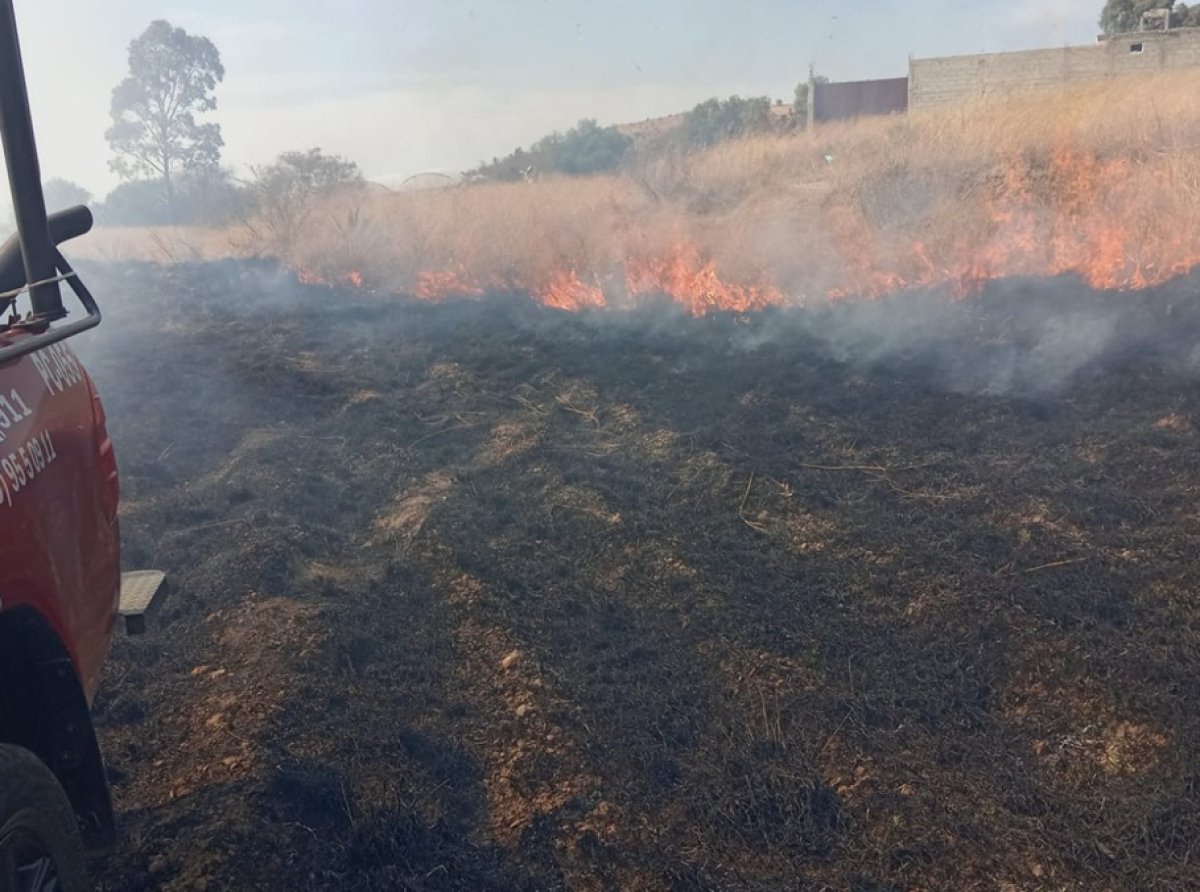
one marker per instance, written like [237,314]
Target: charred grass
[482,595]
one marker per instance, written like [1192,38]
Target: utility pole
[812,99]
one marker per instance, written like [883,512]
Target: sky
[418,85]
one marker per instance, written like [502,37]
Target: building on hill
[1156,47]
[845,100]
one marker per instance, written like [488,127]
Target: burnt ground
[482,595]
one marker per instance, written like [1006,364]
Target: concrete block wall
[957,78]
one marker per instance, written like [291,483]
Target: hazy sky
[402,87]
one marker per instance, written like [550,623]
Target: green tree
[1184,16]
[62,194]
[800,103]
[1121,16]
[586,148]
[155,134]
[134,203]
[207,198]
[212,196]
[285,192]
[716,120]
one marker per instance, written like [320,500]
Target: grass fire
[811,509]
[1100,182]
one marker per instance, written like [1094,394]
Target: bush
[717,120]
[586,148]
[206,200]
[134,203]
[285,192]
[60,194]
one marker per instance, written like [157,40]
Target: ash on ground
[881,597]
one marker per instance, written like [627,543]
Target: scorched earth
[481,594]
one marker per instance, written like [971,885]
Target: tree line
[168,156]
[589,148]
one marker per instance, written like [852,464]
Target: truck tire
[40,849]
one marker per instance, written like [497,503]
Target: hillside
[1100,181]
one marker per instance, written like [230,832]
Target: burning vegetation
[1098,182]
[772,579]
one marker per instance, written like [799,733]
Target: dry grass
[1100,179]
[158,244]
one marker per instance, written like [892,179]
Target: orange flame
[681,274]
[566,291]
[306,276]
[1071,212]
[684,277]
[436,284]
[1076,214]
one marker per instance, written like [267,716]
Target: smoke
[1032,338]
[1014,339]
[183,326]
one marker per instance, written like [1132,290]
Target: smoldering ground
[1018,337]
[1031,338]
[485,595]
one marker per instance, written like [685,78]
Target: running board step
[142,593]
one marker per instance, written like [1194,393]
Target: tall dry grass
[1031,183]
[159,244]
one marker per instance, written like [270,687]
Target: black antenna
[24,175]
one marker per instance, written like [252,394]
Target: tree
[285,191]
[1184,16]
[62,194]
[716,120]
[154,133]
[134,203]
[1121,16]
[212,196]
[585,148]
[208,198]
[800,103]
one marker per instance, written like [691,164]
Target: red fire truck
[61,587]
